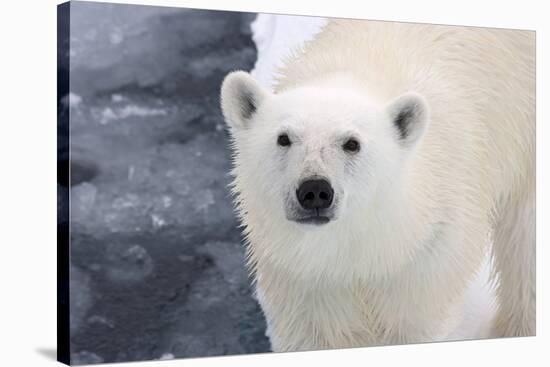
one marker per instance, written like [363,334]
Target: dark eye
[283,140]
[351,145]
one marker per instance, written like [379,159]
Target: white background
[28,176]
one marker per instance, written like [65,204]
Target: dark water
[157,265]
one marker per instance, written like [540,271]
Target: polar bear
[371,182]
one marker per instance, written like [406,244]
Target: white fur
[415,216]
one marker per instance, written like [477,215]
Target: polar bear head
[315,155]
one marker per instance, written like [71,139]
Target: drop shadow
[49,353]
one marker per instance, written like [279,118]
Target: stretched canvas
[233,183]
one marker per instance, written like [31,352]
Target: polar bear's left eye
[283,140]
[351,145]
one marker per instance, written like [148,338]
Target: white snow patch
[276,37]
[167,201]
[117,98]
[204,199]
[166,356]
[125,202]
[131,171]
[74,100]
[83,198]
[116,37]
[111,114]
[158,221]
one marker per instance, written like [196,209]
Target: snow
[166,356]
[277,36]
[109,114]
[130,263]
[149,186]
[74,100]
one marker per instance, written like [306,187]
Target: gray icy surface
[157,264]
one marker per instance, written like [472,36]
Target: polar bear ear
[241,96]
[409,114]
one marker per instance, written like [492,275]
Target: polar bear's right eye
[351,145]
[283,140]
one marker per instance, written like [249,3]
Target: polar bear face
[315,155]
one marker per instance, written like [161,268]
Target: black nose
[315,194]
